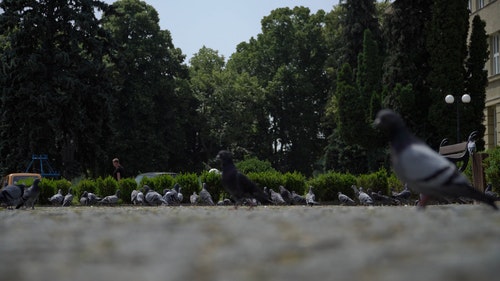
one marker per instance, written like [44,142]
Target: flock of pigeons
[424,171]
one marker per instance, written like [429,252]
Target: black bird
[237,184]
[12,195]
[489,191]
[30,195]
[423,169]
[286,195]
[297,199]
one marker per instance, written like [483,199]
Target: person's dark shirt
[120,170]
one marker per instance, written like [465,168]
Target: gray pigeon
[423,169]
[297,199]
[93,199]
[311,197]
[84,199]
[11,195]
[111,199]
[286,195]
[173,196]
[30,195]
[403,196]
[345,200]
[364,198]
[276,197]
[194,198]
[205,197]
[137,197]
[225,202]
[57,199]
[68,199]
[153,198]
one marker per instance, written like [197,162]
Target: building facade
[489,11]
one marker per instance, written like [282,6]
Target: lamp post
[451,99]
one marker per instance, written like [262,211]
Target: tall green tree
[476,80]
[55,87]
[447,46]
[406,65]
[152,107]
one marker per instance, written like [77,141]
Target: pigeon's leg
[423,200]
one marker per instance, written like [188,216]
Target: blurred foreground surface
[450,242]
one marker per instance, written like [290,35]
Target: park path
[450,242]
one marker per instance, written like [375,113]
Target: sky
[220,24]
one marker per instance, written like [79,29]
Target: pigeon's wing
[418,163]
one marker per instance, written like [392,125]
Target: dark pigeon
[489,191]
[345,200]
[237,184]
[57,199]
[297,199]
[205,197]
[68,199]
[11,195]
[93,199]
[423,169]
[173,196]
[403,196]
[286,195]
[30,196]
[225,202]
[311,197]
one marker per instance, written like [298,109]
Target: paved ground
[453,242]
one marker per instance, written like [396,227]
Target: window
[480,4]
[495,51]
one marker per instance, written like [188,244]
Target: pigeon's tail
[475,194]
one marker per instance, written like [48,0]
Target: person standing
[119,172]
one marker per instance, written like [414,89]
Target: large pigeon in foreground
[423,169]
[237,184]
[11,195]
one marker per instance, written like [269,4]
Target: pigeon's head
[224,156]
[389,121]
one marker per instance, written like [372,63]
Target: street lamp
[451,99]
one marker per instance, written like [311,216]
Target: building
[489,11]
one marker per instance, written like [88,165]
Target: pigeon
[276,197]
[111,199]
[12,195]
[311,197]
[84,199]
[489,191]
[173,196]
[30,195]
[237,184]
[297,199]
[205,197]
[225,202]
[364,198]
[152,197]
[381,199]
[286,195]
[57,198]
[68,198]
[194,198]
[345,200]
[93,199]
[402,196]
[423,169]
[137,197]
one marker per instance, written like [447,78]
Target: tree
[446,44]
[54,84]
[476,80]
[152,107]
[407,62]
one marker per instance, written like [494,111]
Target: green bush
[85,185]
[50,187]
[376,181]
[294,182]
[254,165]
[393,183]
[214,185]
[106,186]
[492,167]
[326,186]
[189,182]
[159,183]
[269,179]
[126,185]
